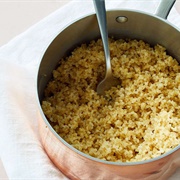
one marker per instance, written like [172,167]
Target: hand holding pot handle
[164,8]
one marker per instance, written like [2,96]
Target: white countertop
[17,16]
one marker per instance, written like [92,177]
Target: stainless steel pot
[121,24]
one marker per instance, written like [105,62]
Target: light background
[17,16]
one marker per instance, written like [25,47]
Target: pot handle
[164,8]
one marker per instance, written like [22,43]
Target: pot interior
[133,25]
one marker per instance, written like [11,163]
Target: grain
[137,121]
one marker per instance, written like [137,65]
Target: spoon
[109,80]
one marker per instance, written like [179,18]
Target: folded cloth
[21,151]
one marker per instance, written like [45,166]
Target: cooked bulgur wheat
[136,121]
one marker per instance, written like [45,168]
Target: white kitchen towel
[21,151]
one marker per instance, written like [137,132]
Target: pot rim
[58,136]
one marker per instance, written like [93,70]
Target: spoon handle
[101,17]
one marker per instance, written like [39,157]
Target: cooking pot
[121,24]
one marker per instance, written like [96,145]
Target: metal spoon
[108,80]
